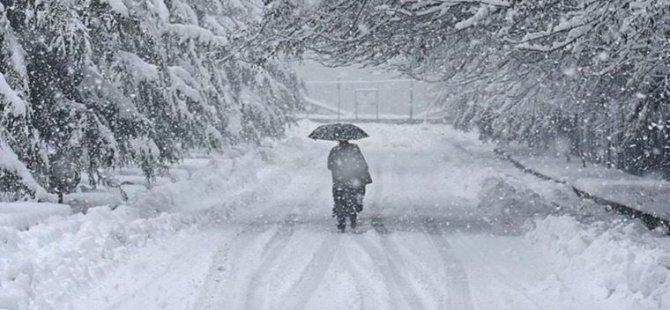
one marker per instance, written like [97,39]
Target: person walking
[349,169]
[350,176]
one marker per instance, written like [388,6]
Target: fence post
[377,105]
[339,98]
[411,99]
[355,107]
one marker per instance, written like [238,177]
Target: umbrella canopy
[338,131]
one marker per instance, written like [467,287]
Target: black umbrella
[338,131]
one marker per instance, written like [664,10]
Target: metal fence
[368,100]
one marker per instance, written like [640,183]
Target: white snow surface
[647,194]
[446,225]
[21,215]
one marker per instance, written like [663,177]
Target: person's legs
[351,207]
[359,194]
[350,198]
[352,219]
[339,208]
[341,223]
[348,202]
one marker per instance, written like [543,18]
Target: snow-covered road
[428,239]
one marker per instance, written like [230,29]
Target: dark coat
[348,166]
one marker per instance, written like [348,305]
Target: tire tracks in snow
[215,275]
[400,289]
[161,274]
[255,298]
[316,268]
[457,284]
[504,278]
[397,285]
[211,295]
[255,291]
[366,285]
[313,274]
[453,291]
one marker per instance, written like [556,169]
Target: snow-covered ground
[446,225]
[647,194]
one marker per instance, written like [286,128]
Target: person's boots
[341,223]
[352,218]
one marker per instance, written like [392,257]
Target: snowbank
[21,215]
[648,195]
[509,207]
[42,266]
[226,183]
[614,262]
[622,266]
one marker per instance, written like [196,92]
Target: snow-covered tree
[18,140]
[105,83]
[529,71]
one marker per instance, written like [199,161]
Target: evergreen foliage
[103,83]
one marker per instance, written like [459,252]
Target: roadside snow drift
[21,215]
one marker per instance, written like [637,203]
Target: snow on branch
[193,32]
[139,69]
[183,82]
[479,16]
[17,106]
[118,7]
[9,161]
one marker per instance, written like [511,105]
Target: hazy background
[392,90]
